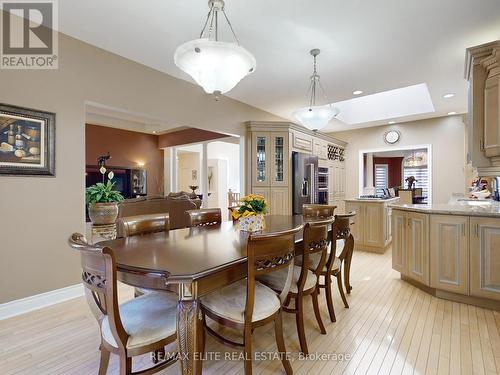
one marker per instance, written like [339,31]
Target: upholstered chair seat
[276,280]
[146,319]
[229,302]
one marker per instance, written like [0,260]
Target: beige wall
[445,134]
[38,214]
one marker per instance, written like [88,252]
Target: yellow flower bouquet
[251,213]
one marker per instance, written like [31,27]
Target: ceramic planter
[254,223]
[103,213]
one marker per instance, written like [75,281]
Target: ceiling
[366,45]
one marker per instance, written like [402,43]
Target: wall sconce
[141,164]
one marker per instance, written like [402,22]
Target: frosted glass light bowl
[216,66]
[316,117]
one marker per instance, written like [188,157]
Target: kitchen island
[451,251]
[372,224]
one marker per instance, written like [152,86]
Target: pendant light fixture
[215,65]
[315,117]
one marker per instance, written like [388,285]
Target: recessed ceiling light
[154,131]
[449,95]
[392,122]
[357,92]
[452,113]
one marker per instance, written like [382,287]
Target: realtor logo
[28,37]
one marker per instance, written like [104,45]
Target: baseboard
[38,301]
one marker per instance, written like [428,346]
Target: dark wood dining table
[192,262]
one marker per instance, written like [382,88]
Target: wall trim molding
[39,301]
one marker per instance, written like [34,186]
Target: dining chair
[247,304]
[205,217]
[139,326]
[343,241]
[405,196]
[305,281]
[140,225]
[320,211]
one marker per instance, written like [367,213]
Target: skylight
[405,101]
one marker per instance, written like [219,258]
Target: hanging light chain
[315,79]
[212,21]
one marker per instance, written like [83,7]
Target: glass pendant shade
[216,66]
[316,117]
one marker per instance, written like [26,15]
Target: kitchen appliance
[496,188]
[322,185]
[305,180]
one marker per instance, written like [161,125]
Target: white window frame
[383,166]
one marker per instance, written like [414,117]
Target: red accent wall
[127,149]
[395,169]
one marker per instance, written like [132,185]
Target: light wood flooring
[391,328]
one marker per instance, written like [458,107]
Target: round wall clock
[392,136]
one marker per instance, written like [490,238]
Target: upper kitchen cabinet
[483,122]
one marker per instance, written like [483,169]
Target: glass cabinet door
[279,159]
[260,155]
[280,155]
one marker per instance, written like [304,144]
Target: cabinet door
[265,192]
[280,159]
[449,249]
[399,241]
[302,142]
[357,226]
[417,250]
[261,158]
[492,116]
[485,257]
[279,201]
[374,225]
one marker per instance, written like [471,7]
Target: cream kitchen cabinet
[270,159]
[492,114]
[485,257]
[279,201]
[449,247]
[320,149]
[410,245]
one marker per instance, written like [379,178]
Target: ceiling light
[452,113]
[315,117]
[392,122]
[214,65]
[357,92]
[449,95]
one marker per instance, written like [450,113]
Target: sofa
[175,204]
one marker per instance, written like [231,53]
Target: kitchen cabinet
[491,115]
[410,245]
[449,249]
[261,157]
[279,201]
[302,142]
[485,257]
[320,149]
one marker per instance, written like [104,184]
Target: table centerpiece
[251,213]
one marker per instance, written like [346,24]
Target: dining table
[191,262]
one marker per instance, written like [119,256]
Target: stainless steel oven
[322,185]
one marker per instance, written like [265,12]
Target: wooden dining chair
[343,241]
[233,199]
[305,281]
[139,326]
[247,304]
[206,217]
[140,225]
[319,211]
[405,196]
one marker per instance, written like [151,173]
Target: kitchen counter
[390,200]
[468,208]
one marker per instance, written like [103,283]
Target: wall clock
[392,136]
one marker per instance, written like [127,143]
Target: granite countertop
[390,200]
[478,208]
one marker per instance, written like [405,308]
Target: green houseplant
[102,202]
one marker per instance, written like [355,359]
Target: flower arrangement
[251,213]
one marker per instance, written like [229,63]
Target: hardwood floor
[391,328]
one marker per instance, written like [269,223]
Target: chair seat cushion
[229,302]
[276,280]
[146,319]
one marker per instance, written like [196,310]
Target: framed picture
[27,141]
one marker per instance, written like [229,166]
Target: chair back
[317,238]
[205,217]
[318,211]
[142,224]
[405,196]
[268,253]
[99,279]
[342,231]
[233,199]
[419,192]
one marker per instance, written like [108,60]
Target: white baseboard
[38,301]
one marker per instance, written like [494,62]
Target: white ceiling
[366,45]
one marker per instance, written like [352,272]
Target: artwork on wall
[27,141]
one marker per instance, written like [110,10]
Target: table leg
[189,330]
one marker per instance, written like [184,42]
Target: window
[422,176]
[381,177]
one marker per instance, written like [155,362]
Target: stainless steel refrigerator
[305,180]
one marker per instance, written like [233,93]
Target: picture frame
[27,141]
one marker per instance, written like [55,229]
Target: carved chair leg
[314,297]
[203,335]
[125,365]
[329,298]
[247,340]
[280,342]
[299,318]
[347,278]
[341,288]
[103,364]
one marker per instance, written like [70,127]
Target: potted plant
[251,213]
[102,202]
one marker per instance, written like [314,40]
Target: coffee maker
[496,188]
